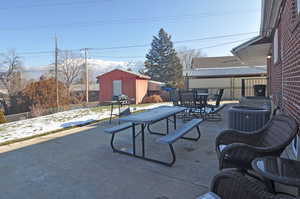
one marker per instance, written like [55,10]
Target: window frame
[276,49]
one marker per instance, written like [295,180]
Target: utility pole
[56,73]
[86,74]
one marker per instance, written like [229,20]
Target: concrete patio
[79,164]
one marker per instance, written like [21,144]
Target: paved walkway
[79,164]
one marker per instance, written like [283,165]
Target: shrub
[152,99]
[2,117]
[43,93]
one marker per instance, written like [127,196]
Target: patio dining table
[145,119]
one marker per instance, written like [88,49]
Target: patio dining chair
[236,149]
[174,97]
[200,104]
[212,115]
[187,100]
[233,184]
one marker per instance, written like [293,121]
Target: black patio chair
[174,97]
[187,100]
[233,184]
[212,113]
[200,90]
[200,104]
[236,149]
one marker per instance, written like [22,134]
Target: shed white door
[117,87]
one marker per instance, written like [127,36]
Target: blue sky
[30,25]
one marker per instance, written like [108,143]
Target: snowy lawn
[41,125]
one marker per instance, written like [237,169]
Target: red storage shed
[118,81]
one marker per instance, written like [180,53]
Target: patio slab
[81,165]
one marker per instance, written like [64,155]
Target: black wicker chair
[236,149]
[232,184]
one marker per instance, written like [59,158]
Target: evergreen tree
[162,62]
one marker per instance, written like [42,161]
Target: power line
[57,4]
[223,44]
[124,57]
[206,47]
[180,41]
[140,45]
[125,21]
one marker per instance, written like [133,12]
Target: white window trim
[298,6]
[276,47]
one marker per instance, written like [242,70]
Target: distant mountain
[96,67]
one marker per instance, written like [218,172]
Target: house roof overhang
[269,16]
[256,50]
[253,52]
[242,71]
[126,71]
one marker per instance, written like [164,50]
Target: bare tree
[70,67]
[186,56]
[10,71]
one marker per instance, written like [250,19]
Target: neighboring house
[155,87]
[118,81]
[280,31]
[224,72]
[213,62]
[14,85]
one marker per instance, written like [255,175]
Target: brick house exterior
[280,29]
[284,75]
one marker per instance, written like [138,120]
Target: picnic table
[147,118]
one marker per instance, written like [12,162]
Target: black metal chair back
[200,101]
[219,97]
[187,99]
[200,90]
[174,97]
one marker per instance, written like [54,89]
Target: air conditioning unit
[245,118]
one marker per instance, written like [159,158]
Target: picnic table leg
[133,139]
[143,156]
[143,140]
[111,112]
[167,125]
[174,118]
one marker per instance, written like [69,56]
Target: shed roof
[127,71]
[242,71]
[214,62]
[156,82]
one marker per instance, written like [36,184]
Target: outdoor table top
[202,94]
[280,170]
[153,115]
[111,102]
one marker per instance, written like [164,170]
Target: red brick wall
[285,75]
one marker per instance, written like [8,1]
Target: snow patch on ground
[40,125]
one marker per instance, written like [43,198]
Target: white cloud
[96,67]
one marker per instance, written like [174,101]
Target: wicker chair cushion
[209,195]
[281,130]
[222,147]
